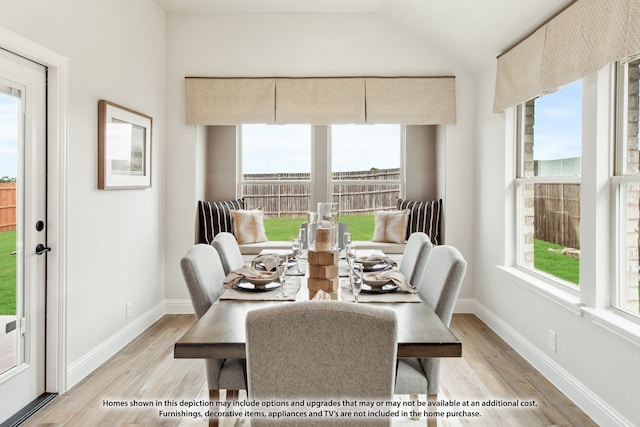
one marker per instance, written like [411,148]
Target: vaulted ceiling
[473,32]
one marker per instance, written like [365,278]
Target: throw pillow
[390,226]
[424,217]
[215,217]
[248,226]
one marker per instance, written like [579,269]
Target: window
[284,170]
[275,169]
[548,185]
[365,167]
[627,189]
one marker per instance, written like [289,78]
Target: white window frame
[619,180]
[520,181]
[401,181]
[320,165]
[240,181]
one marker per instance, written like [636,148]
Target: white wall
[116,51]
[595,367]
[302,45]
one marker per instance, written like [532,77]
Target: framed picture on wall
[124,147]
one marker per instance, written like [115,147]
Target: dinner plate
[291,263]
[376,267]
[366,263]
[246,286]
[389,287]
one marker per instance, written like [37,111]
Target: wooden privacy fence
[7,206]
[557,214]
[288,199]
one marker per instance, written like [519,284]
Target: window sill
[614,322]
[565,299]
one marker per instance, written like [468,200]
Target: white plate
[389,287]
[246,286]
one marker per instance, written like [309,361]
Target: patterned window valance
[330,100]
[577,42]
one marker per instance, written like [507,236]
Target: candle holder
[322,227]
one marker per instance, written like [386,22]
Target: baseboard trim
[465,305]
[79,369]
[178,306]
[585,398]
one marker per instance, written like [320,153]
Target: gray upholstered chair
[229,251]
[203,273]
[439,289]
[321,350]
[415,256]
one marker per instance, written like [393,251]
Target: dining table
[220,332]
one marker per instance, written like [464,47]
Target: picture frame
[124,147]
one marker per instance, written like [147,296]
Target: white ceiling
[473,32]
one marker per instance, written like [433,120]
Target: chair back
[204,275]
[414,257]
[322,350]
[442,280]
[229,251]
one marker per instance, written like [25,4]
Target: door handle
[40,249]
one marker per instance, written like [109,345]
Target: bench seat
[256,248]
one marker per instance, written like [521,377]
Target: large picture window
[627,188]
[275,169]
[548,185]
[284,171]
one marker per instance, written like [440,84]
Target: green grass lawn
[555,263]
[360,227]
[7,273]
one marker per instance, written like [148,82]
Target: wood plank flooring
[145,371]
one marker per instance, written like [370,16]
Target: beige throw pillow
[390,226]
[248,226]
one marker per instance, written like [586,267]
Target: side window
[627,185]
[548,185]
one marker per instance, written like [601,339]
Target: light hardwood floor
[145,370]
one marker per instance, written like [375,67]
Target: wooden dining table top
[220,332]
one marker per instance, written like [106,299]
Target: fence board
[7,206]
[557,214]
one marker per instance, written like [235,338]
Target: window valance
[229,101]
[321,101]
[574,44]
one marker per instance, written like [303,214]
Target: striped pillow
[424,217]
[215,217]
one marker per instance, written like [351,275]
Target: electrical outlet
[552,341]
[129,309]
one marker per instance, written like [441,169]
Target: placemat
[291,287]
[396,296]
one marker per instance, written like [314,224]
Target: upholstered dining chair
[321,350]
[229,251]
[415,256]
[203,274]
[439,289]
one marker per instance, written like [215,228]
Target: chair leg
[214,396]
[432,421]
[233,394]
[414,398]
